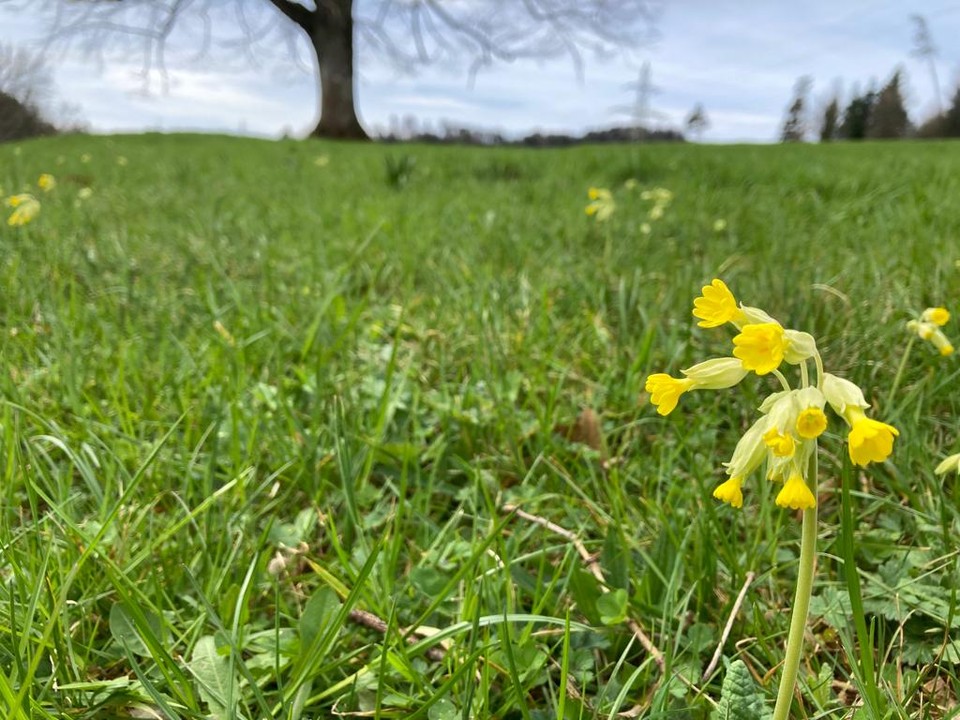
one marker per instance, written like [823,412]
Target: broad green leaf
[217,684]
[612,607]
[319,612]
[740,699]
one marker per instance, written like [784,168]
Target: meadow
[306,430]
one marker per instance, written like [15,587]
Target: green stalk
[899,376]
[801,600]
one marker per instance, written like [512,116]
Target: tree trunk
[332,38]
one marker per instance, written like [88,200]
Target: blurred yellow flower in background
[26,208]
[601,204]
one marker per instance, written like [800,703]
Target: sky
[739,59]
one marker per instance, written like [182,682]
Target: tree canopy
[406,34]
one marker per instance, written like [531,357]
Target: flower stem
[899,376]
[801,601]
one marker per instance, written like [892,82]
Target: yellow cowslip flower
[796,494]
[730,492]
[713,374]
[811,423]
[601,203]
[645,228]
[760,347]
[47,182]
[932,333]
[781,444]
[842,394]
[798,346]
[869,440]
[941,343]
[631,183]
[659,195]
[716,305]
[656,212]
[753,316]
[937,315]
[719,225]
[949,464]
[27,207]
[665,391]
[716,373]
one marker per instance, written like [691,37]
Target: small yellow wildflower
[716,305]
[842,394]
[937,315]
[601,204]
[730,492]
[869,440]
[796,494]
[719,225]
[798,346]
[780,444]
[122,160]
[321,160]
[661,196]
[656,212]
[85,158]
[665,391]
[933,334]
[760,347]
[928,328]
[716,373]
[713,374]
[949,464]
[85,193]
[811,423]
[630,183]
[46,182]
[27,207]
[645,228]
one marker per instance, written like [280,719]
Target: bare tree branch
[296,12]
[404,33]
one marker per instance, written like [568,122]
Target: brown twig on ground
[367,619]
[593,566]
[726,629]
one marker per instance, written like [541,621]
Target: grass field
[268,406]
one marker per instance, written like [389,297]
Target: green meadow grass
[247,395]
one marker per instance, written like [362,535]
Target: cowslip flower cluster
[928,328]
[601,205]
[792,419]
[661,198]
[47,182]
[26,208]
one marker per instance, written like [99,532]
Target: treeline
[871,115]
[452,134]
[26,85]
[19,120]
